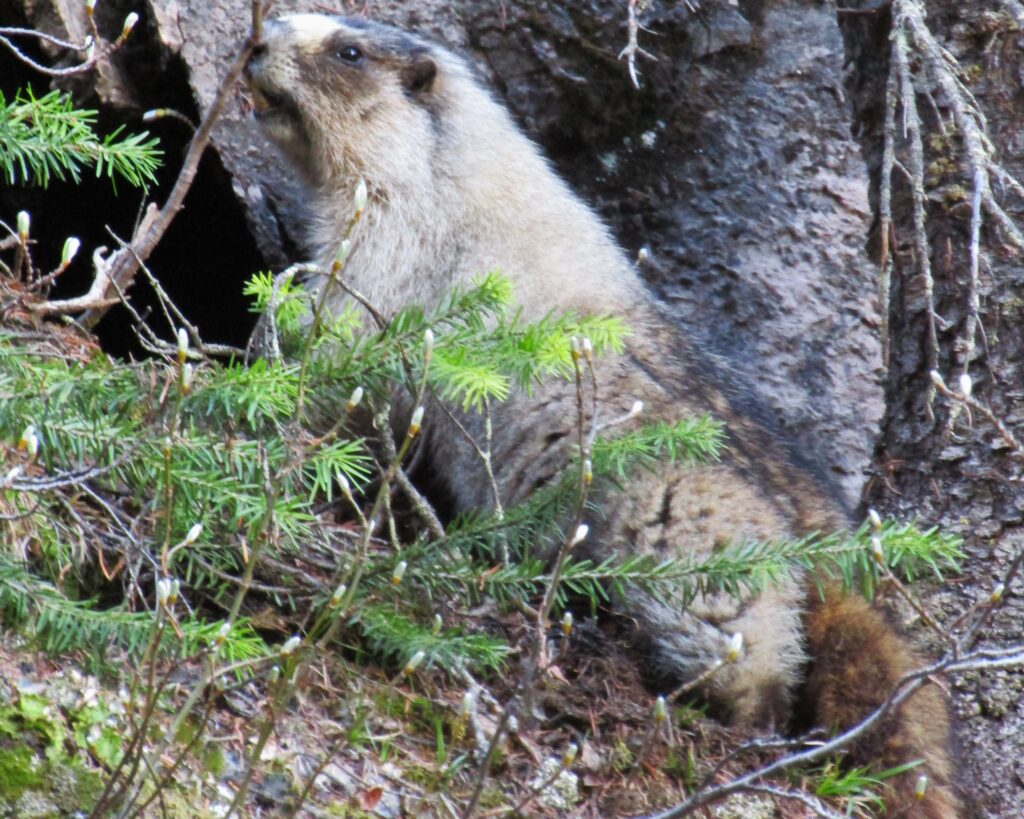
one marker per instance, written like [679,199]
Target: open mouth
[266,102]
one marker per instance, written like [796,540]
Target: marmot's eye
[349,54]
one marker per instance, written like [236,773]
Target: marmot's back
[457,190]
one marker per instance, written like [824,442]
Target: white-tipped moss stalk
[343,483]
[26,433]
[399,573]
[290,645]
[875,520]
[193,534]
[90,7]
[642,255]
[182,345]
[129,24]
[24,222]
[338,596]
[341,256]
[466,706]
[360,198]
[936,378]
[569,754]
[588,471]
[997,594]
[67,254]
[428,346]
[567,623]
[164,588]
[876,551]
[576,348]
[222,634]
[354,399]
[579,535]
[29,442]
[187,374]
[660,711]
[734,650]
[414,662]
[588,349]
[636,409]
[921,787]
[437,625]
[416,422]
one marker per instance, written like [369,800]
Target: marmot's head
[340,94]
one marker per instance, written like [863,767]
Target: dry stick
[915,603]
[99,54]
[420,504]
[912,128]
[168,777]
[571,537]
[125,264]
[484,454]
[632,49]
[136,749]
[973,299]
[499,731]
[973,403]
[885,212]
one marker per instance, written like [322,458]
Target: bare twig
[632,50]
[912,130]
[88,47]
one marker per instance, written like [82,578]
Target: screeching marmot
[456,190]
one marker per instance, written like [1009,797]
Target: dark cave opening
[208,252]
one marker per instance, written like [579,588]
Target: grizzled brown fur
[457,190]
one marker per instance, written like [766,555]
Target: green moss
[32,786]
[19,772]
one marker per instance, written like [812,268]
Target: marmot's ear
[419,74]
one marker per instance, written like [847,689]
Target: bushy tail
[857,660]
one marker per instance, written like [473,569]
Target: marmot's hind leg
[755,691]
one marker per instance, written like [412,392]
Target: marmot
[457,190]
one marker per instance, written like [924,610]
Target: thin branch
[632,50]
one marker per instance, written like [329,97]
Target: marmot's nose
[259,50]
